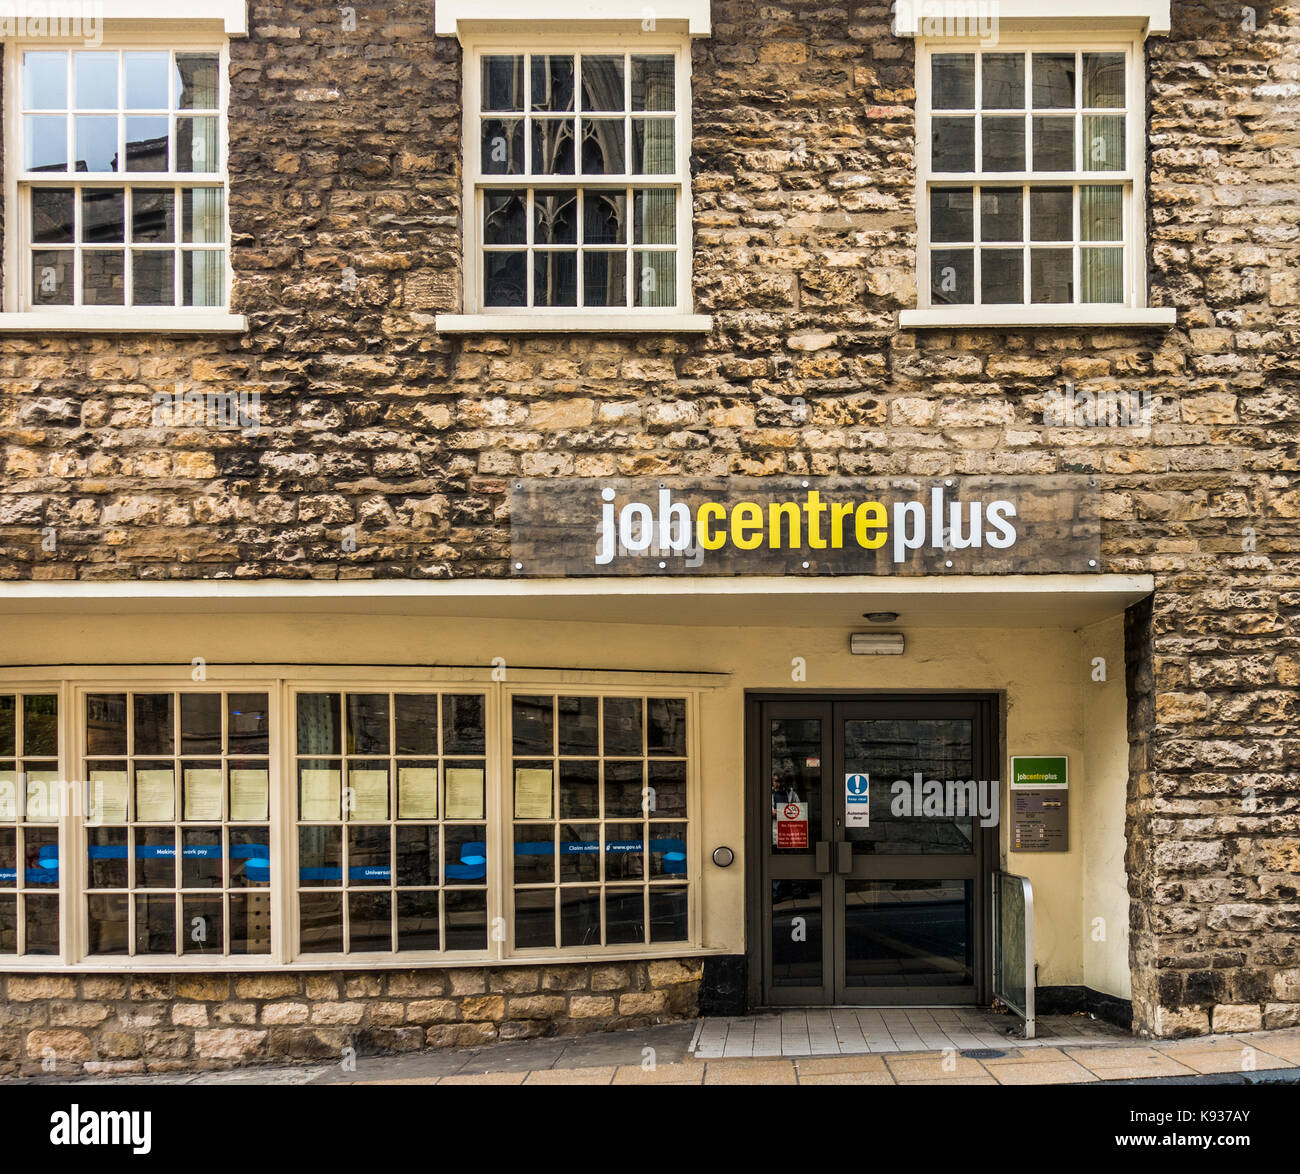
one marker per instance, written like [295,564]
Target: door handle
[823,862]
[844,857]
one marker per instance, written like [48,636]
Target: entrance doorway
[867,893]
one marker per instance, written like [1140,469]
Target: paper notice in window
[464,792]
[532,792]
[42,796]
[319,795]
[250,795]
[417,792]
[368,796]
[108,791]
[8,795]
[155,796]
[203,793]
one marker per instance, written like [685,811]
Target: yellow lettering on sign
[870,516]
[704,519]
[747,525]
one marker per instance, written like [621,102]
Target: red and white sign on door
[792,825]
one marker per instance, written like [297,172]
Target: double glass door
[873,885]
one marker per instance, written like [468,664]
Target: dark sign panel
[820,526]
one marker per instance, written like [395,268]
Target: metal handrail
[1026,1012]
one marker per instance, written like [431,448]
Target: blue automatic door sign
[857,801]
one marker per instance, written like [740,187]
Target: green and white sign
[1040,803]
[1040,772]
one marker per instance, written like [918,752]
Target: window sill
[123,322]
[573,323]
[1029,317]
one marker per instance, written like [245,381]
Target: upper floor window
[119,179]
[578,180]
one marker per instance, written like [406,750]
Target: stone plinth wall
[98,1024]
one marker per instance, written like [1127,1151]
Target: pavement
[1067,1050]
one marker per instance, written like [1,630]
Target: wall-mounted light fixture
[876,644]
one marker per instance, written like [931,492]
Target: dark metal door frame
[762,867]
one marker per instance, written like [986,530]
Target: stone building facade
[384,451]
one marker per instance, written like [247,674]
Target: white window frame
[19,314]
[282,688]
[1134,310]
[476,316]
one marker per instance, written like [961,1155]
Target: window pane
[155,924]
[952,276]
[1053,144]
[604,220]
[248,723]
[45,143]
[555,279]
[656,216]
[652,83]
[624,851]
[602,83]
[534,918]
[1103,79]
[417,854]
[8,724]
[250,924]
[417,921]
[250,857]
[95,81]
[107,923]
[1102,275]
[667,789]
[417,723]
[504,220]
[505,278]
[320,857]
[464,854]
[579,726]
[656,279]
[153,277]
[203,216]
[579,790]
[96,143]
[552,82]
[106,858]
[466,915]
[1051,274]
[624,916]
[555,217]
[552,146]
[624,789]
[1103,142]
[1002,214]
[1051,214]
[155,858]
[369,856]
[154,723]
[103,216]
[667,850]
[201,865]
[197,81]
[148,81]
[147,144]
[533,725]
[604,278]
[1003,85]
[503,146]
[41,725]
[623,735]
[503,83]
[579,917]
[106,723]
[103,278]
[45,81]
[668,914]
[952,77]
[197,147]
[952,214]
[41,923]
[370,922]
[1004,144]
[153,216]
[8,924]
[53,216]
[202,278]
[603,146]
[320,923]
[1101,213]
[1002,276]
[579,852]
[652,146]
[953,144]
[202,931]
[367,723]
[666,726]
[1054,81]
[318,723]
[534,853]
[200,723]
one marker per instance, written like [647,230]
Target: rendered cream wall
[1051,707]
